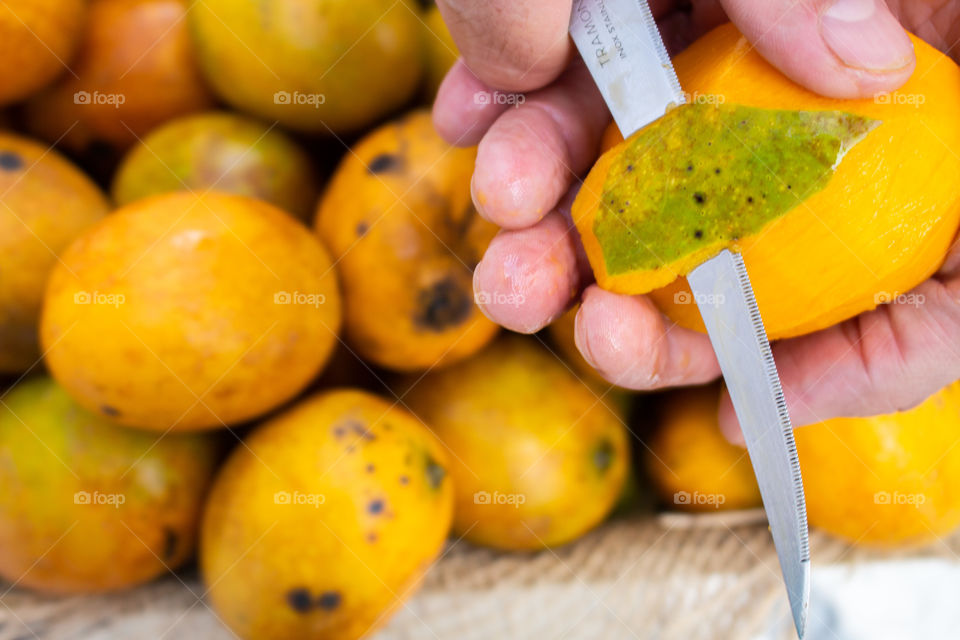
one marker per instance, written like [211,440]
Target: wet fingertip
[528,277]
[504,191]
[497,296]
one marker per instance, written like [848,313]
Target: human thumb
[837,48]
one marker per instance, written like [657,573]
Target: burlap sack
[671,576]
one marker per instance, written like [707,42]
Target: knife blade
[725,298]
[622,48]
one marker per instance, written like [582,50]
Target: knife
[621,46]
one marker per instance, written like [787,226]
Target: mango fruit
[325,521]
[538,457]
[890,480]
[37,41]
[835,205]
[89,506]
[46,203]
[690,463]
[223,152]
[398,218]
[135,69]
[185,311]
[326,66]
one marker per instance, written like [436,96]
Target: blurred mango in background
[135,69]
[222,152]
[38,39]
[326,66]
[86,505]
[690,463]
[326,520]
[889,480]
[539,457]
[218,308]
[399,221]
[46,203]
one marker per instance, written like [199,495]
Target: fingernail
[582,341]
[864,35]
[480,296]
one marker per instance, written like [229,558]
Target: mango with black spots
[835,205]
[326,520]
[323,66]
[190,311]
[220,151]
[47,202]
[538,456]
[87,505]
[690,463]
[399,220]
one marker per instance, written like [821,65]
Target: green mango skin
[89,506]
[706,175]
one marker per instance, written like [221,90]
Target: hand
[530,155]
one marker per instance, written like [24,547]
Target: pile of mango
[238,327]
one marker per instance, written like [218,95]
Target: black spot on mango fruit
[302,601]
[385,162]
[442,305]
[435,474]
[108,410]
[603,456]
[299,600]
[10,161]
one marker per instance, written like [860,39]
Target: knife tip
[800,622]
[800,599]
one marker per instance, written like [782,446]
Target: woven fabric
[673,576]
